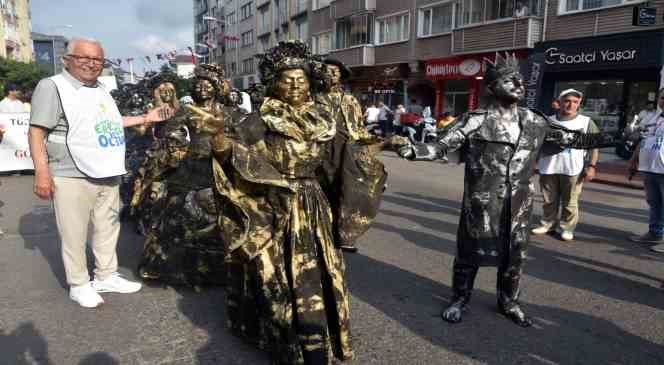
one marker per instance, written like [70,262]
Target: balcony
[262,29]
[344,8]
[299,8]
[355,56]
[200,7]
[261,3]
[511,33]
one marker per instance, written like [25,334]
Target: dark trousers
[507,283]
[384,126]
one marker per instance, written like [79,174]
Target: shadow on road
[560,336]
[99,358]
[25,345]
[207,311]
[554,266]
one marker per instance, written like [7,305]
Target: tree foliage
[24,75]
[182,86]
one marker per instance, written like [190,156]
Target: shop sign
[461,67]
[555,56]
[384,91]
[454,68]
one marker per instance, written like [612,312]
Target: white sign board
[14,149]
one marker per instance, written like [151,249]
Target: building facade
[49,50]
[432,51]
[592,46]
[15,28]
[233,32]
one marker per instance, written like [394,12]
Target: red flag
[193,55]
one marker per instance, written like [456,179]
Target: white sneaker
[115,283]
[567,235]
[542,229]
[86,296]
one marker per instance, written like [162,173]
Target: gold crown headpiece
[283,56]
[211,72]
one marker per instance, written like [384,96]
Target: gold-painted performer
[182,244]
[345,172]
[286,290]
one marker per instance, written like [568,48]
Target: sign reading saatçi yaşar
[555,56]
[14,149]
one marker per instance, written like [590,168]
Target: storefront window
[603,101]
[456,94]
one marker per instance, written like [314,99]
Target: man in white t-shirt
[11,103]
[648,114]
[648,158]
[372,114]
[562,175]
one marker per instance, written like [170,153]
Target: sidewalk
[612,170]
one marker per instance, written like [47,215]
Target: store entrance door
[456,102]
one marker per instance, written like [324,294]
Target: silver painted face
[509,87]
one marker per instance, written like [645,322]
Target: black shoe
[517,316]
[348,248]
[454,312]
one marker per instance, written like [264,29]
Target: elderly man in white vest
[77,144]
[562,175]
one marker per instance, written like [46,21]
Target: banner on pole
[14,149]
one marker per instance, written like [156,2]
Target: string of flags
[207,44]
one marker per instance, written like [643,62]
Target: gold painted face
[334,74]
[203,90]
[293,87]
[167,92]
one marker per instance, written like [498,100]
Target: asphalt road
[597,300]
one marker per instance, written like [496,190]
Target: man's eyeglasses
[84,59]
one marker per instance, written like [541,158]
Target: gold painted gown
[285,284]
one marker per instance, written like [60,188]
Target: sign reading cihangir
[14,149]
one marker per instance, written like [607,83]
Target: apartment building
[241,29]
[49,50]
[15,27]
[433,50]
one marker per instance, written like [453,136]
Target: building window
[321,43]
[245,11]
[394,28]
[576,5]
[263,44]
[231,43]
[263,20]
[354,31]
[232,68]
[248,38]
[499,9]
[317,4]
[248,66]
[479,11]
[436,19]
[231,18]
[301,30]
